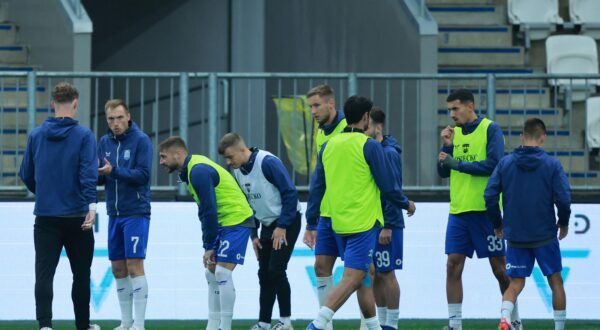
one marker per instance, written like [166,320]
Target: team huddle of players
[354,212]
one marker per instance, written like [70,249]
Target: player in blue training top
[531,183]
[227,222]
[274,199]
[469,154]
[389,248]
[125,155]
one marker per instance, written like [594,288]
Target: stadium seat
[536,18]
[569,54]
[587,14]
[593,122]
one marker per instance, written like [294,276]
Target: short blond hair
[172,142]
[113,103]
[321,90]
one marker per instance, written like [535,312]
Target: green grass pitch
[301,324]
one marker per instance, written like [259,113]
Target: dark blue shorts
[357,249]
[328,243]
[473,231]
[233,241]
[389,257]
[519,261]
[128,237]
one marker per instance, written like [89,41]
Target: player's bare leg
[559,300]
[454,290]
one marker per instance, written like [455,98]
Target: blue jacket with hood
[531,183]
[128,184]
[60,167]
[392,215]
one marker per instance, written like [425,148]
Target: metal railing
[201,107]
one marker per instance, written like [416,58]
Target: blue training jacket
[128,184]
[531,183]
[59,166]
[392,215]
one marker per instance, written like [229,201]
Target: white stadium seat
[571,54]
[587,14]
[536,18]
[593,122]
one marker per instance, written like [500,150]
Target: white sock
[139,287]
[227,296]
[373,323]
[286,320]
[324,286]
[507,310]
[363,324]
[214,303]
[324,317]
[392,318]
[125,301]
[382,315]
[559,319]
[455,316]
[514,316]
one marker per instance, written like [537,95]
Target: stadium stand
[476,37]
[586,14]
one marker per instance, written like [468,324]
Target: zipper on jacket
[117,181]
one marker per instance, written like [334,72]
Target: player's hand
[209,258]
[385,236]
[411,208]
[447,135]
[106,169]
[310,238]
[499,232]
[278,238]
[90,219]
[257,246]
[442,156]
[563,231]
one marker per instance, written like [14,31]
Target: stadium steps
[13,117]
[556,139]
[479,56]
[13,97]
[451,13]
[461,36]
[15,54]
[506,98]
[8,33]
[11,160]
[11,138]
[513,118]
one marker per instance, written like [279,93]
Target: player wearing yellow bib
[469,154]
[351,174]
[227,221]
[319,234]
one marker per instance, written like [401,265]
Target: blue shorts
[519,261]
[328,243]
[357,249]
[389,257]
[473,231]
[233,241]
[127,237]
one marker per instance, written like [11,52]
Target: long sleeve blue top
[277,175]
[392,215]
[494,152]
[531,183]
[204,179]
[128,184]
[60,167]
[380,169]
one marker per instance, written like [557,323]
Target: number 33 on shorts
[494,243]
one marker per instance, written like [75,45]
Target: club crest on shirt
[107,153]
[465,148]
[127,154]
